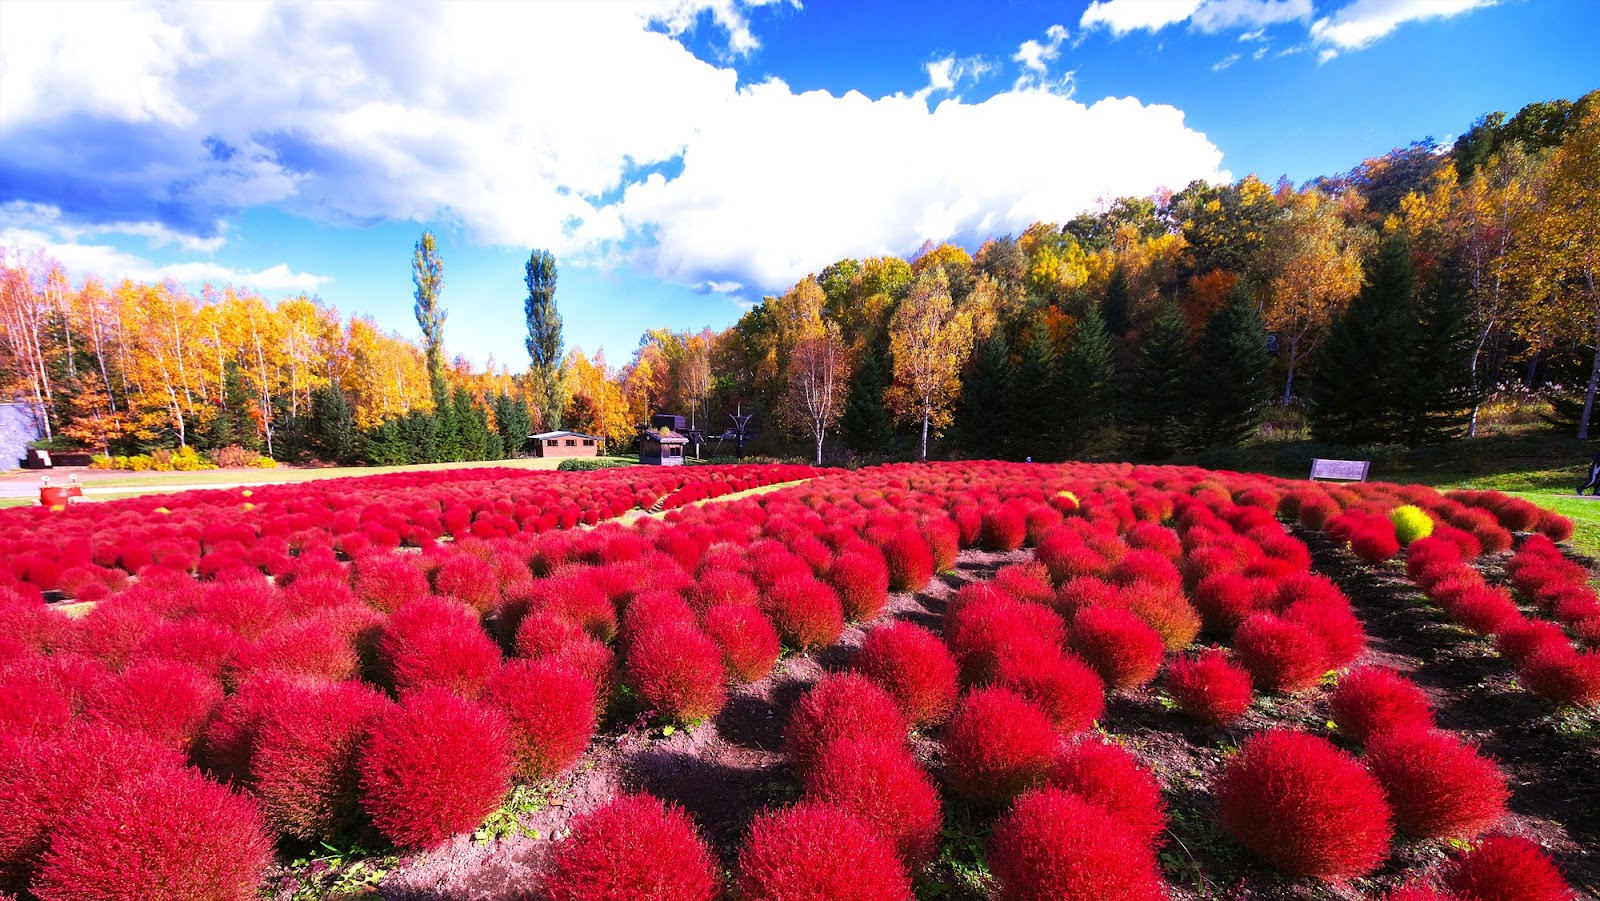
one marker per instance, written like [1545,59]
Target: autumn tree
[427,273]
[544,338]
[929,341]
[595,405]
[1561,262]
[1319,270]
[818,379]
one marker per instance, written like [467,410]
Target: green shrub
[589,464]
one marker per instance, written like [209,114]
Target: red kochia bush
[1560,673]
[1506,868]
[998,745]
[1375,542]
[1226,599]
[634,848]
[862,579]
[806,611]
[840,705]
[1417,891]
[1521,639]
[304,765]
[1055,846]
[1371,701]
[437,642]
[1121,647]
[1304,806]
[1209,687]
[469,579]
[1438,785]
[169,702]
[1068,690]
[910,561]
[814,851]
[878,780]
[677,671]
[915,667]
[435,765]
[1107,775]
[1332,621]
[389,581]
[1003,529]
[172,834]
[749,644]
[550,707]
[1280,655]
[43,781]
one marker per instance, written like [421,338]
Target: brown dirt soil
[729,769]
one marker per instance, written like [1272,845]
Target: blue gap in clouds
[96,172]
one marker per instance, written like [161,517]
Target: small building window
[553,442]
[572,442]
[677,451]
[588,443]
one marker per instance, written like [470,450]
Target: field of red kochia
[395,653]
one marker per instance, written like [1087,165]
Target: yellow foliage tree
[1319,260]
[930,340]
[1561,261]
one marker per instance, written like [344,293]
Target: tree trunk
[927,412]
[1594,381]
[819,446]
[1288,383]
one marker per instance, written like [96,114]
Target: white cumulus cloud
[760,197]
[585,128]
[1210,16]
[1364,22]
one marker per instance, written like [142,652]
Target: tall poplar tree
[544,338]
[427,273]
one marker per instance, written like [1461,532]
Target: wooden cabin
[661,447]
[564,444]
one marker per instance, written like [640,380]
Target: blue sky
[684,158]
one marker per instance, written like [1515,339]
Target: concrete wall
[19,424]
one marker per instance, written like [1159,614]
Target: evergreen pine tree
[1028,402]
[1233,383]
[981,410]
[447,430]
[1157,408]
[419,435]
[1361,365]
[1118,305]
[1082,390]
[866,426]
[334,435]
[1434,399]
[472,427]
[513,423]
[386,445]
